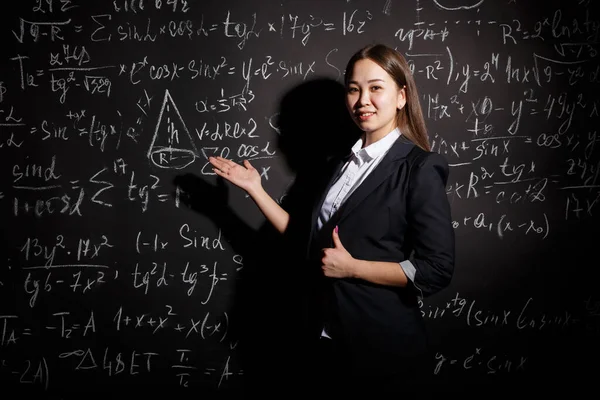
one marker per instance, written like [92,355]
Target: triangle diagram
[172,145]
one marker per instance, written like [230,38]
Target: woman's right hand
[244,176]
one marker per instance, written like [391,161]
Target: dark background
[127,268]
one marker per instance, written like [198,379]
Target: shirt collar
[374,150]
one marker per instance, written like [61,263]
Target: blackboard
[127,267]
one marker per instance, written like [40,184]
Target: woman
[381,233]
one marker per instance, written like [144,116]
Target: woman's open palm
[244,176]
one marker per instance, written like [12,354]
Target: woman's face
[373,99]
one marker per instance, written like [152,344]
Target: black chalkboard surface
[127,267]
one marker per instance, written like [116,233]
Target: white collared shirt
[361,163]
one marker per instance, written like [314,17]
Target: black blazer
[400,212]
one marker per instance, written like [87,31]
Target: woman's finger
[219,164]
[227,162]
[214,161]
[219,172]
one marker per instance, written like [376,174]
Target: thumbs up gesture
[336,261]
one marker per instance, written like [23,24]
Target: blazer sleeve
[430,230]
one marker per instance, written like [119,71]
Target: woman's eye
[375,88]
[352,90]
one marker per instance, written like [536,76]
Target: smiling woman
[390,75]
[373,99]
[364,327]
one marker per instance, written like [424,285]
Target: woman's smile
[364,116]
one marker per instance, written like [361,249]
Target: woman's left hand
[336,261]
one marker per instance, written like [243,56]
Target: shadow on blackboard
[269,314]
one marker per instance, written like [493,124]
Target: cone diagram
[172,146]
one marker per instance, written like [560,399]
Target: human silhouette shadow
[269,309]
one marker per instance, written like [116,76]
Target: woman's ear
[401,98]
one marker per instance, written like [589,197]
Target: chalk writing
[125,260]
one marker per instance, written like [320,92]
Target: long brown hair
[409,119]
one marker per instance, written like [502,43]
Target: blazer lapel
[386,167]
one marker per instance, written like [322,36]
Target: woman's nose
[364,98]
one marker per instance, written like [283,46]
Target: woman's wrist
[355,268]
[256,190]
